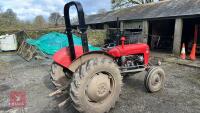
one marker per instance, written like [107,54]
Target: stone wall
[96,37]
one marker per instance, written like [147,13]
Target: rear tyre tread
[79,75]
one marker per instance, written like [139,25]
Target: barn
[164,25]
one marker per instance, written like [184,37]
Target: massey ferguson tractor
[93,79]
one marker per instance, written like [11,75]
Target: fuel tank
[131,49]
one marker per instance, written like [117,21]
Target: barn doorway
[161,33]
[188,34]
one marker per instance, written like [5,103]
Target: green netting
[54,41]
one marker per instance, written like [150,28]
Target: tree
[74,19]
[127,3]
[54,18]
[39,21]
[9,16]
[61,20]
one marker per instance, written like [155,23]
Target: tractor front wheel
[154,79]
[96,86]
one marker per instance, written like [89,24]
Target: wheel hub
[99,87]
[156,80]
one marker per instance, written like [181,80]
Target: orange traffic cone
[183,56]
[193,52]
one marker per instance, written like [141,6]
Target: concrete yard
[180,95]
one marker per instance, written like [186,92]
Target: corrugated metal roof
[167,8]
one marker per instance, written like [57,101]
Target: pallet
[26,51]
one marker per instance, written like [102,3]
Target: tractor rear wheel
[96,86]
[154,79]
[57,76]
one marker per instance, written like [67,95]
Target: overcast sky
[28,9]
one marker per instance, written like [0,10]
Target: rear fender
[62,57]
[87,56]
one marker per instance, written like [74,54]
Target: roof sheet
[167,8]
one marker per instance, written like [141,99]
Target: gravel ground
[180,95]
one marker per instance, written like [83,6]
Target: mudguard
[62,57]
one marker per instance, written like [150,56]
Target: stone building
[172,22]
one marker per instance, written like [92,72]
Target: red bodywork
[131,49]
[63,58]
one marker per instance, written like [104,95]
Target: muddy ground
[180,95]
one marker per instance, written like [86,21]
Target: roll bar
[82,27]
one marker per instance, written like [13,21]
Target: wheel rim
[156,80]
[99,87]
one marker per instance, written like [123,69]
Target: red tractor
[93,79]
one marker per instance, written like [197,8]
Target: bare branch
[126,3]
